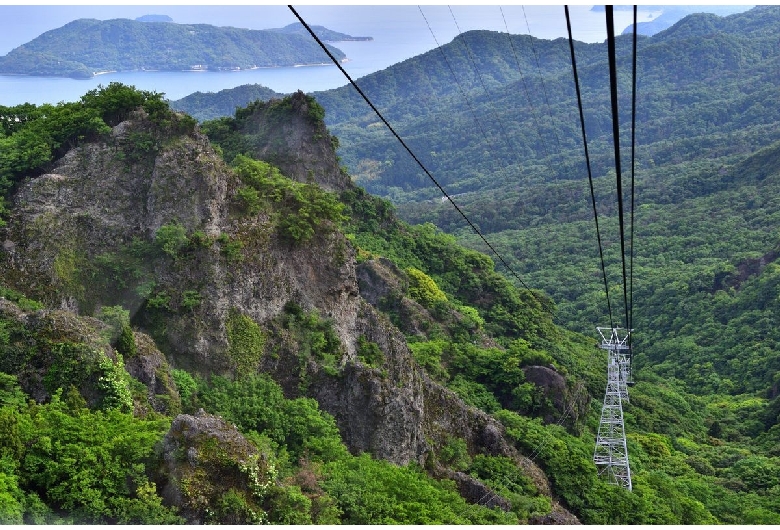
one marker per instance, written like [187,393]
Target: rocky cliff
[209,269]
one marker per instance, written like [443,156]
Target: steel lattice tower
[611,454]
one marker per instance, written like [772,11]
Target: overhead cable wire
[414,157]
[633,172]
[454,77]
[587,163]
[525,89]
[541,78]
[616,142]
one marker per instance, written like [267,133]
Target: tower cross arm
[614,338]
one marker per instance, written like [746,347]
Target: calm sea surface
[399,32]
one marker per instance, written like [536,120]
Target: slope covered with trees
[706,218]
[85,47]
[504,140]
[91,402]
[209,106]
[703,88]
[512,158]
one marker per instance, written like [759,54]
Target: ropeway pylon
[611,453]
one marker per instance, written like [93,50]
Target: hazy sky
[22,23]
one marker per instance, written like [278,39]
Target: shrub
[369,353]
[246,342]
[423,289]
[170,238]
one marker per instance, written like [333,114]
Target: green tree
[91,464]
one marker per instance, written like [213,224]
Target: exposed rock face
[97,198]
[298,142]
[384,286]
[378,280]
[93,204]
[150,367]
[476,492]
[97,217]
[447,416]
[381,411]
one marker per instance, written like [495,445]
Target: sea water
[398,32]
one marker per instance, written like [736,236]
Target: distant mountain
[705,75]
[672,14]
[85,47]
[209,105]
[325,34]
[154,18]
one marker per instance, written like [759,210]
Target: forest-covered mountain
[512,157]
[211,105]
[706,246]
[514,98]
[85,47]
[325,34]
[227,329]
[196,340]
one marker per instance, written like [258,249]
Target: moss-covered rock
[213,473]
[150,367]
[52,349]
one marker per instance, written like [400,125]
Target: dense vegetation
[86,46]
[704,268]
[702,424]
[685,449]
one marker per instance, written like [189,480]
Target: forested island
[325,34]
[86,47]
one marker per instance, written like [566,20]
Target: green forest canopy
[697,458]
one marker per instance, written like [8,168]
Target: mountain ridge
[82,48]
[306,319]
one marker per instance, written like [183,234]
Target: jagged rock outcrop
[152,220]
[297,142]
[65,226]
[447,416]
[51,349]
[476,492]
[150,367]
[383,285]
[380,279]
[378,410]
